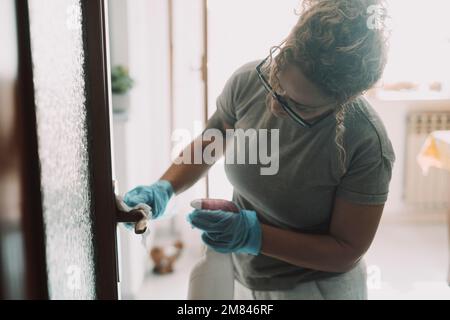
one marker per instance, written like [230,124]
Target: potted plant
[121,84]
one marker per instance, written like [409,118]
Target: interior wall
[394,114]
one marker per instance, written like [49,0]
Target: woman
[302,232]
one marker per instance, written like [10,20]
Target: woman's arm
[352,230]
[183,176]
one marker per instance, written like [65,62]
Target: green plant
[121,82]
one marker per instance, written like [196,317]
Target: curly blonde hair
[335,48]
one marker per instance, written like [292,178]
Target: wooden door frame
[99,133]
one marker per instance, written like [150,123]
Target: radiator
[430,192]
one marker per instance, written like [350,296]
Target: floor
[173,286]
[411,261]
[406,261]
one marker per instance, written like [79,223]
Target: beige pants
[351,285]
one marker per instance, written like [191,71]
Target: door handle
[138,216]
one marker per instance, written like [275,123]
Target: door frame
[97,70]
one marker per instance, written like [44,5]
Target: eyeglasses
[283,102]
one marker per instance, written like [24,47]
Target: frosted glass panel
[58,65]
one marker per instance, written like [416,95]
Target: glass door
[70,59]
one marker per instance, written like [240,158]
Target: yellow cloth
[435,152]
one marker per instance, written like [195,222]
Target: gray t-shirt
[300,196]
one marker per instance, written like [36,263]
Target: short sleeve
[367,179]
[235,90]
[226,102]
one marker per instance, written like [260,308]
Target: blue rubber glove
[156,196]
[227,232]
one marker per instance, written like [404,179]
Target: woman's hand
[156,196]
[227,232]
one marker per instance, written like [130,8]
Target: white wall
[394,115]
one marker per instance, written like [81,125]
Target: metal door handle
[137,216]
